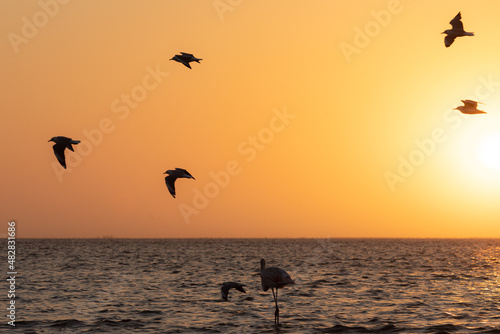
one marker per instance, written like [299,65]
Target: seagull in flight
[457,30]
[185,58]
[61,143]
[174,175]
[224,290]
[470,107]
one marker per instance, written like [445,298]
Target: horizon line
[260,238]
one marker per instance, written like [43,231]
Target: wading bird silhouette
[274,278]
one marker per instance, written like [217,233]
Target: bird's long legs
[277,312]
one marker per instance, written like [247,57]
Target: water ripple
[342,286]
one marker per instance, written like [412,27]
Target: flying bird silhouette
[224,290]
[470,108]
[61,143]
[174,175]
[185,58]
[274,278]
[457,30]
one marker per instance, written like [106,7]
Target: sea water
[173,286]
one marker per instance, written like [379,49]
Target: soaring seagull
[185,58]
[61,143]
[173,175]
[226,286]
[274,278]
[457,30]
[470,108]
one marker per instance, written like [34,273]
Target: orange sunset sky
[304,118]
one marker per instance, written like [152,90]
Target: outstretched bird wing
[230,285]
[59,152]
[448,40]
[182,59]
[470,103]
[170,182]
[224,291]
[185,172]
[239,287]
[72,142]
[456,23]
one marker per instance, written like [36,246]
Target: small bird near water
[274,278]
[226,286]
[61,143]
[174,175]
[185,58]
[470,108]
[457,30]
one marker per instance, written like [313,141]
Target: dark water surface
[172,286]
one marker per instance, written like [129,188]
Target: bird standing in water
[274,278]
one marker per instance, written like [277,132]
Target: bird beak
[49,140]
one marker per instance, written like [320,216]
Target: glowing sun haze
[304,119]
